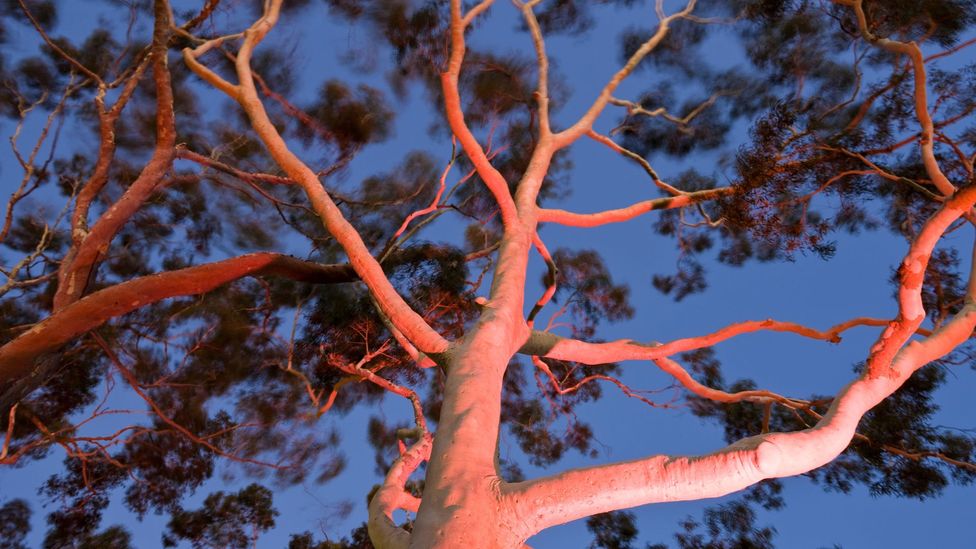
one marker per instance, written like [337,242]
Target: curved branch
[201,440]
[18,356]
[578,493]
[582,492]
[77,268]
[552,279]
[585,123]
[493,179]
[106,152]
[391,496]
[550,345]
[914,53]
[618,215]
[411,324]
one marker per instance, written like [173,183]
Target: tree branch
[79,264]
[606,217]
[106,152]
[914,53]
[575,494]
[391,496]
[585,123]
[18,375]
[411,324]
[542,59]
[616,147]
[492,178]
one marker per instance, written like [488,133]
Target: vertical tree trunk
[461,504]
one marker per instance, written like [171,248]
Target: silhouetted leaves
[586,288]
[613,530]
[726,526]
[225,520]
[14,524]
[351,118]
[358,540]
[730,525]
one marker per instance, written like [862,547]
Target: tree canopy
[233,225]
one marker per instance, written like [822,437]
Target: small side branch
[552,279]
[382,530]
[915,455]
[681,122]
[392,494]
[616,147]
[619,215]
[57,49]
[914,53]
[550,345]
[435,202]
[559,389]
[585,123]
[201,440]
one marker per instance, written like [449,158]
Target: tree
[156,272]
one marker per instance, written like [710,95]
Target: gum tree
[843,101]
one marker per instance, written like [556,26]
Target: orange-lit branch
[17,356]
[684,378]
[455,116]
[391,496]
[914,53]
[553,346]
[10,433]
[567,496]
[433,204]
[585,123]
[574,219]
[88,248]
[634,108]
[542,59]
[411,324]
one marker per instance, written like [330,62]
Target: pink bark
[465,503]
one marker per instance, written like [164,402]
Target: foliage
[811,136]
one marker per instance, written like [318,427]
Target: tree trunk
[469,514]
[462,504]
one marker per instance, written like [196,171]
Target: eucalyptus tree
[155,257]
